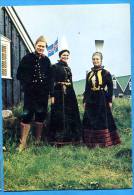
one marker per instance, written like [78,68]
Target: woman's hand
[110,105]
[52,100]
[84,105]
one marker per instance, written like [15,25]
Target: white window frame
[4,41]
[114,84]
[130,85]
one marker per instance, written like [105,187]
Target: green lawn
[73,167]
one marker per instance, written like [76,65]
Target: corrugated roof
[123,81]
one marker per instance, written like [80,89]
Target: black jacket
[60,72]
[34,71]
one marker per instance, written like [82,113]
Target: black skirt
[98,123]
[65,124]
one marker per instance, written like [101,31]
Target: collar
[62,63]
[39,55]
[97,68]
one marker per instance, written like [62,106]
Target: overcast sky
[77,27]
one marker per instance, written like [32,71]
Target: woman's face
[40,47]
[64,57]
[96,59]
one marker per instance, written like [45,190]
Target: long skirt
[65,124]
[99,128]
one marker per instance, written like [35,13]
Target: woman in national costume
[65,125]
[99,127]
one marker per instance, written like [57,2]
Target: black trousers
[35,105]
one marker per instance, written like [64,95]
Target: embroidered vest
[96,80]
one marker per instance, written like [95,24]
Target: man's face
[40,47]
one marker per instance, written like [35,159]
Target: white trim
[130,85]
[10,78]
[114,84]
[127,83]
[20,28]
[118,83]
[3,38]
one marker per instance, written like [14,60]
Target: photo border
[71,2]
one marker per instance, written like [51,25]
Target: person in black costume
[98,124]
[65,125]
[34,76]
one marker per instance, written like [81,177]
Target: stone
[7,114]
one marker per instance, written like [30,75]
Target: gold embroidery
[91,74]
[93,79]
[99,77]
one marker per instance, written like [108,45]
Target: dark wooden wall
[127,90]
[11,94]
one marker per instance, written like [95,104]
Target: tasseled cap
[41,39]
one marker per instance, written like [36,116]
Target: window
[130,85]
[5,58]
[114,84]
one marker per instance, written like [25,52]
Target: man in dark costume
[98,123]
[65,119]
[34,76]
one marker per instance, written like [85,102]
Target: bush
[122,113]
[17,110]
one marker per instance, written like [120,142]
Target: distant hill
[79,86]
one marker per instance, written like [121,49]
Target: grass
[69,167]
[72,167]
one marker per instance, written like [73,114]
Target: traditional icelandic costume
[98,124]
[65,125]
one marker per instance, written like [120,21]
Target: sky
[77,27]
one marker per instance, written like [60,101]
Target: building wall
[117,91]
[1,21]
[127,91]
[11,87]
